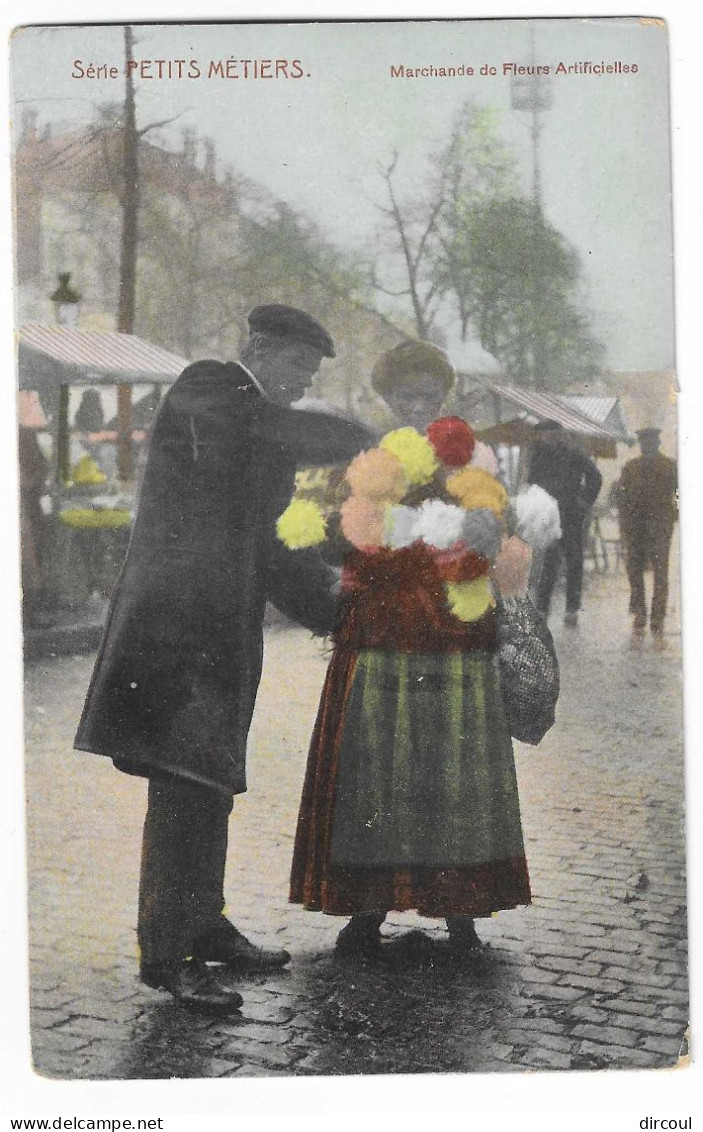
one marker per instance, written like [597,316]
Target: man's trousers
[183,866]
[640,551]
[571,546]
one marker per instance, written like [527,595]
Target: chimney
[189,146]
[29,127]
[231,188]
[209,166]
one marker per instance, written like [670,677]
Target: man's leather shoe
[192,984]
[224,944]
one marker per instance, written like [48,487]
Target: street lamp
[66,303]
[66,307]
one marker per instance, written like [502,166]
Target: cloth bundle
[529,670]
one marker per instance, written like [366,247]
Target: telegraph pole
[541,100]
[531,93]
[128,256]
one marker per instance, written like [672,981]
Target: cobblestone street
[592,975]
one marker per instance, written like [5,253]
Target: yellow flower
[86,471]
[311,480]
[415,453]
[475,488]
[470,600]
[108,518]
[302,524]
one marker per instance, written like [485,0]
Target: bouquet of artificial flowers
[432,535]
[440,491]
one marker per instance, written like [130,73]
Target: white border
[544,1101]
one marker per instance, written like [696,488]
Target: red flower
[453,441]
[460,564]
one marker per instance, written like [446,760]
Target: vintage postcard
[350,548]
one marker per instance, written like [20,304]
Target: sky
[317,141]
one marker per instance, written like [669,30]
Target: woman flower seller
[410,798]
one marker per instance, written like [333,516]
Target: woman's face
[418,404]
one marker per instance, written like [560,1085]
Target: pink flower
[377,474]
[511,569]
[484,457]
[362,522]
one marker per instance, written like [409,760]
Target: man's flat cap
[289,322]
[643,433]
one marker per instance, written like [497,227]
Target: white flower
[482,532]
[537,516]
[399,523]
[439,524]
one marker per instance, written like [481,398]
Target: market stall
[88,509]
[506,415]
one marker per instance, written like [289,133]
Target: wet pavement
[591,976]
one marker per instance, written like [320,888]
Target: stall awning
[49,357]
[605,411]
[547,406]
[507,414]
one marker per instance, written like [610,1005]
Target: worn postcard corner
[350,549]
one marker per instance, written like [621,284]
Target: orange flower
[475,488]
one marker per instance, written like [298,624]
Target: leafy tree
[468,241]
[518,283]
[285,255]
[189,237]
[208,249]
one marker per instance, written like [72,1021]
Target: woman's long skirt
[410,798]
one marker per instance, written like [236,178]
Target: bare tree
[414,225]
[477,169]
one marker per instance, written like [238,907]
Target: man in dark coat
[646,500]
[174,685]
[570,477]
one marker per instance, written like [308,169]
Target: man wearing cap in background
[572,478]
[175,681]
[646,500]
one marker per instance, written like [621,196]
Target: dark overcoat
[646,499]
[175,680]
[568,475]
